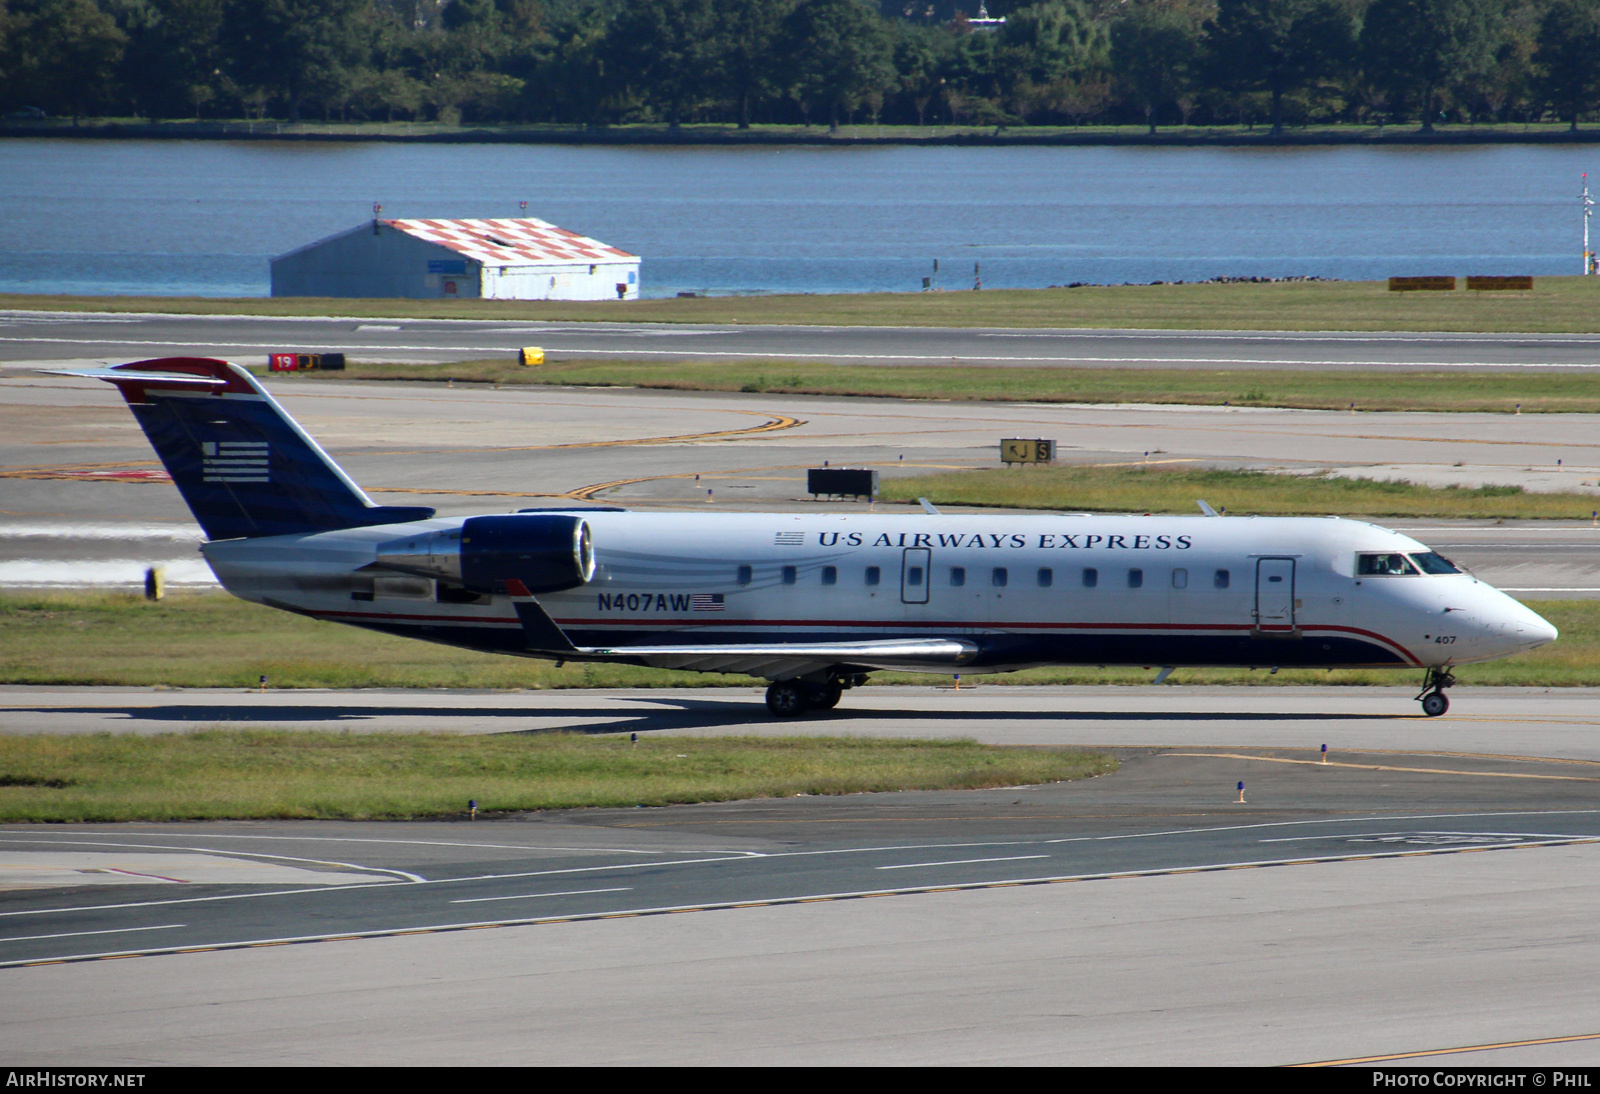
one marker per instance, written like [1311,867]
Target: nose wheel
[1432,696]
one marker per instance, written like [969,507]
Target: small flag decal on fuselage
[789,539]
[234,461]
[706,602]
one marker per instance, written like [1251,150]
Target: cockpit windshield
[1392,565]
[1398,565]
[1431,563]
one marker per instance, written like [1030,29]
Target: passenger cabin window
[1431,563]
[874,575]
[745,574]
[958,575]
[1220,579]
[1395,565]
[1091,577]
[789,575]
[830,575]
[1047,577]
[1180,579]
[1135,579]
[999,577]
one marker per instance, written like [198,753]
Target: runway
[1409,896]
[56,336]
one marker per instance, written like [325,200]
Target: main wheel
[826,697]
[1434,704]
[787,699]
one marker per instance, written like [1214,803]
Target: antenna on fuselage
[927,507]
[1206,509]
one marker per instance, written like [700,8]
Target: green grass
[1163,489]
[215,640]
[1556,304]
[1495,392]
[265,773]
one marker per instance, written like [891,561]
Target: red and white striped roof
[511,241]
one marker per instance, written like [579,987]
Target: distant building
[982,21]
[509,259]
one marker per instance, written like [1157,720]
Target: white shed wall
[562,281]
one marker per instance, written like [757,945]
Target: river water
[204,218]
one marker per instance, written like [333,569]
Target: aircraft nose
[1528,628]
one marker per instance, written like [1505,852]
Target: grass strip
[218,773]
[1163,489]
[197,639]
[1555,304]
[1469,391]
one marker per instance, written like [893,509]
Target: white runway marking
[80,934]
[959,862]
[817,356]
[533,896]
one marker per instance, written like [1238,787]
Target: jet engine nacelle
[546,552]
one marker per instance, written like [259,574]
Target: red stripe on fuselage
[943,627]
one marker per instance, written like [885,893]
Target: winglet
[541,631]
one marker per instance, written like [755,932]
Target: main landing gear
[1434,702]
[792,698]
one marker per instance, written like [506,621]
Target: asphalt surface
[56,336]
[1419,896]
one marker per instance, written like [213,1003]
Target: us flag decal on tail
[706,602]
[234,461]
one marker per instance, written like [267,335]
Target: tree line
[814,62]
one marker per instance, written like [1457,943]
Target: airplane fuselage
[1025,589]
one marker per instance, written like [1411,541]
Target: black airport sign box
[848,482]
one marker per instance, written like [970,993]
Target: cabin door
[1274,610]
[916,570]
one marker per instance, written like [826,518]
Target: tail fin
[244,466]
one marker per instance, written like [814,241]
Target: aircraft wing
[781,660]
[773,660]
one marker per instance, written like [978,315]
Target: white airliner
[811,602]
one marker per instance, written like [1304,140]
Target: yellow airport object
[1019,450]
[532,355]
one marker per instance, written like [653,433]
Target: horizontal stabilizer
[124,376]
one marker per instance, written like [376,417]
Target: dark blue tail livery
[243,465]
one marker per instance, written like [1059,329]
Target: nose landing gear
[1434,702]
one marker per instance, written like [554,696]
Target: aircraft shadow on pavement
[655,713]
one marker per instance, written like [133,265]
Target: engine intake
[545,552]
